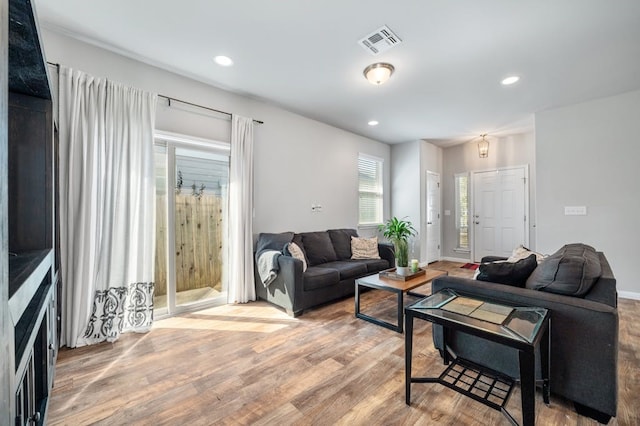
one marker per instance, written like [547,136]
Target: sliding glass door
[192,183]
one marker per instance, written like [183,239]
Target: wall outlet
[575,210]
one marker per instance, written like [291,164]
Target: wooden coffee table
[400,288]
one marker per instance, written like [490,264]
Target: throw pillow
[269,241]
[341,239]
[510,273]
[521,252]
[572,271]
[364,248]
[293,250]
[318,248]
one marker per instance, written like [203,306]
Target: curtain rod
[201,106]
[168,98]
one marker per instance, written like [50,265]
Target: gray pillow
[318,247]
[341,239]
[572,271]
[267,241]
[510,273]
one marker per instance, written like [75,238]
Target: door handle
[429,223]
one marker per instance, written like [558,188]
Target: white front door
[499,211]
[433,217]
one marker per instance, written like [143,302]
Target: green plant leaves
[398,232]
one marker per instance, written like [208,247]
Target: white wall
[588,155]
[505,151]
[409,164]
[405,188]
[298,161]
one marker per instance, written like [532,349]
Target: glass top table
[519,327]
[513,322]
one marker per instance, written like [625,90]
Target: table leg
[528,386]
[408,348]
[545,345]
[357,299]
[400,309]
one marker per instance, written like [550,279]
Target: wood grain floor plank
[253,364]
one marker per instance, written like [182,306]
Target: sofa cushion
[347,269]
[316,277]
[510,273]
[341,239]
[572,271]
[267,241]
[374,265]
[318,247]
[364,248]
[294,250]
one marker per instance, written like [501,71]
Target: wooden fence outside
[198,256]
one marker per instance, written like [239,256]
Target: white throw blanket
[268,266]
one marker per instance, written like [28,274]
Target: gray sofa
[577,286]
[330,275]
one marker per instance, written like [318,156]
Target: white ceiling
[303,55]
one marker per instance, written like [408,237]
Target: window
[462,210]
[369,190]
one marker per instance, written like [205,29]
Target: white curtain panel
[107,209]
[241,285]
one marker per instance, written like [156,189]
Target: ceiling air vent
[380,40]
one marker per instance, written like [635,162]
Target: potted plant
[398,232]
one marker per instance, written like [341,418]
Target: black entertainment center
[30,309]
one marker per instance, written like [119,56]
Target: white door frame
[171,141]
[426,218]
[473,173]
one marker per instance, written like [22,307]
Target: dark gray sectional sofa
[577,286]
[330,275]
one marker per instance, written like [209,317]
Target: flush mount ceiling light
[378,73]
[373,123]
[510,80]
[483,147]
[224,61]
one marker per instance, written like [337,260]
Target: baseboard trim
[629,295]
[456,259]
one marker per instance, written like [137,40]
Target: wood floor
[252,364]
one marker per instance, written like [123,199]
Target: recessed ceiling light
[510,80]
[224,61]
[373,123]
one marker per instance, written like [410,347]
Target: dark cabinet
[29,287]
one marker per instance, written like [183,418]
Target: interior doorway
[433,217]
[500,204]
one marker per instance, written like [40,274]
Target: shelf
[477,382]
[22,266]
[26,273]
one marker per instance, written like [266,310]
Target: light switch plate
[575,210]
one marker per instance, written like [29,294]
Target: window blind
[369,190]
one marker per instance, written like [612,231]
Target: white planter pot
[403,270]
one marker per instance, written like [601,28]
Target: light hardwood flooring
[252,364]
